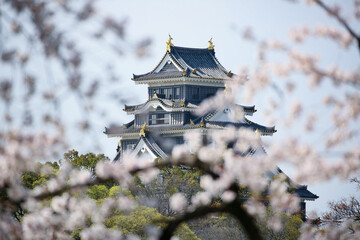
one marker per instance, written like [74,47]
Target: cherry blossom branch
[181,163]
[340,20]
[100,180]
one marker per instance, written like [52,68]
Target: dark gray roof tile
[303,192]
[202,60]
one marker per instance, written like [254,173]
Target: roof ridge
[188,59]
[190,48]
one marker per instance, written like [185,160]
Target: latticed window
[196,93]
[167,92]
[177,118]
[159,118]
[177,93]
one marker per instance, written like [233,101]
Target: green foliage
[141,217]
[98,192]
[226,227]
[217,226]
[292,226]
[85,161]
[116,191]
[176,179]
[35,178]
[290,229]
[30,180]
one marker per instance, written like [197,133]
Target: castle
[177,85]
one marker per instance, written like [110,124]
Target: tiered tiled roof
[189,62]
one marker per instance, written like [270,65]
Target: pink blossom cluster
[59,206]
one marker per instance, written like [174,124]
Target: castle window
[196,93]
[166,118]
[159,118]
[167,92]
[177,93]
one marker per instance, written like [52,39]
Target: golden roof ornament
[169,43]
[229,74]
[194,71]
[155,95]
[119,143]
[191,122]
[182,103]
[211,45]
[202,124]
[184,73]
[142,131]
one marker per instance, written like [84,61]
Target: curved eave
[301,190]
[266,131]
[136,132]
[248,109]
[248,112]
[171,78]
[150,102]
[139,75]
[174,130]
[308,199]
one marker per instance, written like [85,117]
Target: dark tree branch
[245,219]
[44,195]
[234,208]
[170,229]
[340,20]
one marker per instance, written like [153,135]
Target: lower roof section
[301,190]
[173,106]
[129,130]
[165,104]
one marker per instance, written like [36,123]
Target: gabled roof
[148,142]
[189,62]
